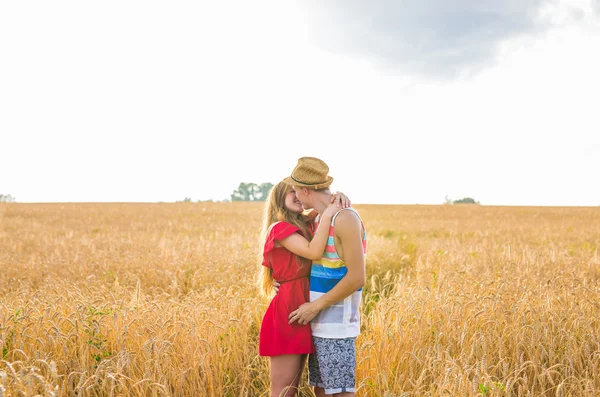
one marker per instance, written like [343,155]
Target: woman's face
[292,203]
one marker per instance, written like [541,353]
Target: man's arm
[349,231]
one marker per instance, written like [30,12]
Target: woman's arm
[297,244]
[338,198]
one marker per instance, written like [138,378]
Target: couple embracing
[317,258]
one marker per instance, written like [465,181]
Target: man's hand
[276,286]
[304,314]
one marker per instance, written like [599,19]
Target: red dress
[276,335]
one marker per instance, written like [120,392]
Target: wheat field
[127,299]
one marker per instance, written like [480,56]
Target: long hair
[276,211]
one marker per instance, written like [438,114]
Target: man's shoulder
[348,213]
[347,219]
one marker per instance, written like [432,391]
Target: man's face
[302,196]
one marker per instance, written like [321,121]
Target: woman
[286,257]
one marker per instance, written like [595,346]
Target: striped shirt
[341,320]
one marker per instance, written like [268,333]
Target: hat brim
[322,185]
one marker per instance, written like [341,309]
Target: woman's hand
[332,208]
[340,199]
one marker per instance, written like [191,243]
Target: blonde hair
[276,211]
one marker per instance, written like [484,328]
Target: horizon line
[232,202]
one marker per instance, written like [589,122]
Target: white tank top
[340,320]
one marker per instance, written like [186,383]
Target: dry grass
[158,299]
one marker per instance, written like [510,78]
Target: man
[336,283]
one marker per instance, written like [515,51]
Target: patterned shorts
[333,365]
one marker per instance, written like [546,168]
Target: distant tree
[242,193]
[251,192]
[6,198]
[447,200]
[264,190]
[466,200]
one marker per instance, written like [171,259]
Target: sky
[407,102]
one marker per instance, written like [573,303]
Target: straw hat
[310,172]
